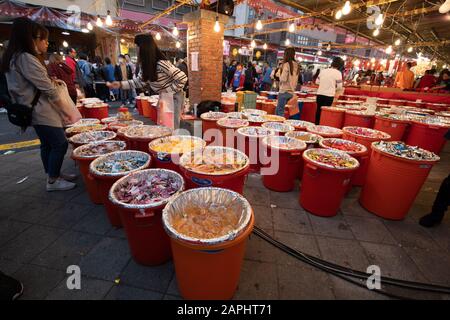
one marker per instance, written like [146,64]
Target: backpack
[206,106]
[18,114]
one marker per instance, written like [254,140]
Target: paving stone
[68,250]
[171,297]
[303,282]
[106,260]
[259,250]
[254,180]
[354,193]
[39,191]
[344,290]
[351,207]
[173,287]
[82,198]
[13,204]
[292,221]
[347,253]
[91,289]
[288,200]
[6,180]
[370,230]
[258,281]
[263,216]
[441,235]
[331,227]
[257,196]
[12,169]
[10,229]
[411,235]
[122,292]
[96,222]
[30,243]
[155,278]
[38,281]
[302,243]
[67,215]
[37,211]
[9,267]
[435,265]
[14,187]
[117,233]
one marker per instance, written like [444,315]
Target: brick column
[206,83]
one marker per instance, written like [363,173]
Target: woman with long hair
[158,73]
[288,75]
[27,80]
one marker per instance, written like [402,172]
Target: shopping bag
[66,108]
[166,110]
[292,106]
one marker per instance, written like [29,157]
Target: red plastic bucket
[279,128]
[312,141]
[283,159]
[228,128]
[427,136]
[269,106]
[146,112]
[208,268]
[98,111]
[227,107]
[166,152]
[393,183]
[209,125]
[323,187]
[139,137]
[325,131]
[139,105]
[106,180]
[364,136]
[358,119]
[309,111]
[148,242]
[299,125]
[332,117]
[91,136]
[200,168]
[395,128]
[249,141]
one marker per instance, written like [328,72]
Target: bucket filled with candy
[228,128]
[332,117]
[325,131]
[208,229]
[114,126]
[140,198]
[279,128]
[91,136]
[299,125]
[249,142]
[428,133]
[85,122]
[209,125]
[73,130]
[139,137]
[393,124]
[364,136]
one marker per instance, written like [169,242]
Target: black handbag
[20,114]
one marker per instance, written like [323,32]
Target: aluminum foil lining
[402,150]
[95,149]
[214,161]
[176,144]
[278,126]
[391,116]
[256,119]
[90,100]
[299,123]
[434,121]
[85,121]
[307,100]
[324,130]
[213,115]
[361,113]
[274,118]
[124,123]
[366,132]
[212,204]
[120,163]
[156,187]
[307,137]
[96,105]
[284,143]
[92,136]
[232,123]
[255,132]
[85,128]
[347,146]
[253,112]
[331,159]
[109,120]
[235,115]
[146,132]
[334,109]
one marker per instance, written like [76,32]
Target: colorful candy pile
[149,189]
[433,120]
[85,121]
[176,144]
[391,116]
[101,148]
[256,119]
[366,132]
[121,163]
[85,128]
[325,130]
[235,115]
[331,158]
[278,126]
[300,124]
[109,120]
[92,136]
[306,137]
[274,118]
[232,123]
[213,115]
[343,145]
[361,113]
[148,132]
[253,112]
[400,149]
[285,143]
[255,131]
[124,123]
[214,160]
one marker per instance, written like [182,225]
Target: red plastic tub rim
[376,150]
[329,167]
[385,135]
[363,152]
[295,134]
[76,151]
[228,123]
[80,138]
[331,131]
[297,145]
[156,131]
[261,132]
[213,115]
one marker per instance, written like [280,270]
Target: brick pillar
[206,83]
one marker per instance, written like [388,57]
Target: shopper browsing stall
[158,73]
[288,74]
[330,85]
[57,69]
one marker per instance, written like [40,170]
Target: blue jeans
[283,99]
[53,148]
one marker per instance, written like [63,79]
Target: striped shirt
[170,79]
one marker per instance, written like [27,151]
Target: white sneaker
[60,185]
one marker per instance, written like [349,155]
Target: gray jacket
[25,75]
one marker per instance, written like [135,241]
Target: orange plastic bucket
[395,128]
[249,141]
[312,141]
[99,112]
[139,105]
[228,128]
[392,184]
[358,119]
[105,181]
[309,109]
[138,137]
[269,107]
[146,112]
[427,136]
[148,242]
[232,179]
[209,125]
[299,125]
[323,187]
[332,117]
[228,107]
[284,156]
[279,128]
[366,140]
[325,131]
[210,268]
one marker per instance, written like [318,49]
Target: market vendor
[157,72]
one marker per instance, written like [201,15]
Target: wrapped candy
[147,132]
[307,137]
[85,128]
[347,146]
[253,112]
[278,127]
[234,115]
[176,144]
[402,150]
[256,119]
[84,122]
[273,118]
[299,124]
[284,143]
[324,130]
[331,158]
[232,123]
[121,162]
[92,136]
[213,115]
[366,132]
[109,120]
[255,131]
[124,123]
[434,121]
[391,116]
[97,149]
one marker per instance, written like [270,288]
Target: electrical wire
[337,269]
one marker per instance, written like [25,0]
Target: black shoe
[429,221]
[10,288]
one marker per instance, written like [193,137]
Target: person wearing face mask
[28,81]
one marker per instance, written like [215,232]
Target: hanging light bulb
[265,46]
[65,44]
[217,25]
[376,32]
[379,20]
[90,26]
[410,49]
[287,42]
[99,22]
[175,31]
[292,27]
[109,21]
[253,44]
[319,53]
[158,36]
[338,14]
[372,60]
[259,25]
[347,8]
[178,44]
[389,50]
[344,57]
[397,42]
